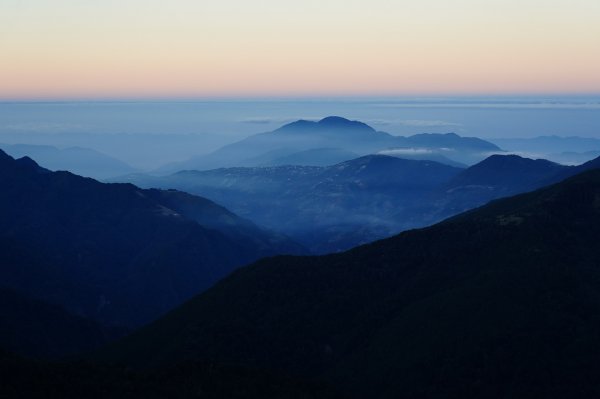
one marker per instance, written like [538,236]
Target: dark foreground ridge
[23,378]
[499,302]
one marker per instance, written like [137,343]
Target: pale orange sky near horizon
[185,48]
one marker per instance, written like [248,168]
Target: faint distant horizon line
[409,98]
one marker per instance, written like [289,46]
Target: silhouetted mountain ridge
[116,253]
[501,301]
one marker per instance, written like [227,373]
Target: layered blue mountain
[510,172]
[498,302]
[327,209]
[115,253]
[501,176]
[81,161]
[143,149]
[333,208]
[496,177]
[337,135]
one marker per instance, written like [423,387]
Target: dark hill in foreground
[502,301]
[41,330]
[22,378]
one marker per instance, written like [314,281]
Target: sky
[240,48]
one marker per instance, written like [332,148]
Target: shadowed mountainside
[37,329]
[115,253]
[497,302]
[22,378]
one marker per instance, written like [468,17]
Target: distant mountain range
[140,149]
[334,208]
[328,208]
[81,161]
[305,143]
[566,150]
[114,253]
[331,140]
[498,302]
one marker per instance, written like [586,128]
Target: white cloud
[257,120]
[407,151]
[412,122]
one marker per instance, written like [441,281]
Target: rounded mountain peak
[337,122]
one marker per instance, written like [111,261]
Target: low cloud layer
[427,123]
[407,151]
[43,127]
[492,105]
